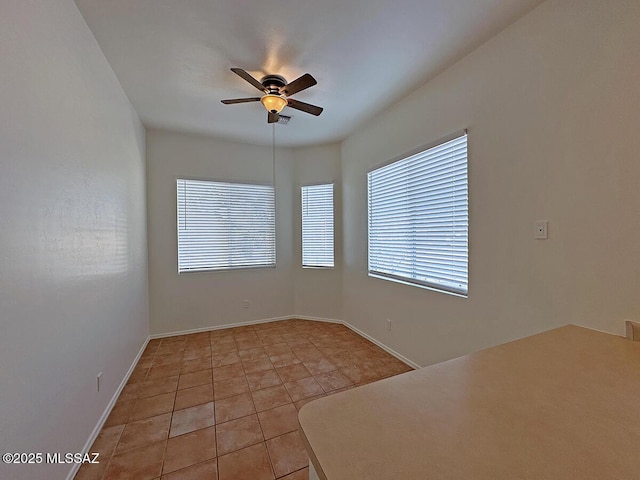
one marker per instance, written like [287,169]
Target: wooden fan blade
[272,117]
[241,73]
[240,100]
[305,107]
[299,84]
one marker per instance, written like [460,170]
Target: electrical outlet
[541,230]
[245,303]
[98,380]
[388,324]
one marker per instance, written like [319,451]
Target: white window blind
[317,225]
[418,218]
[225,225]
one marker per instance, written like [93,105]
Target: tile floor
[223,404]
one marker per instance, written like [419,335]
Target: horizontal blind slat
[317,225]
[223,225]
[418,218]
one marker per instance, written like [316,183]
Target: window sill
[419,285]
[232,269]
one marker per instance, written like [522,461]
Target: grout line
[291,473]
[113,452]
[166,441]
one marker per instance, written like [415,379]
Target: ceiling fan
[276,94]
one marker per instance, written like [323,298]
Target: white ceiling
[173,56]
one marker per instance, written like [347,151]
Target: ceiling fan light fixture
[274,103]
[276,94]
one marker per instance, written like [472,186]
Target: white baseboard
[220,327]
[317,319]
[389,350]
[96,431]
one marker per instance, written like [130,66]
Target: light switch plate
[541,230]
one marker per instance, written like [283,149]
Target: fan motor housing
[273,82]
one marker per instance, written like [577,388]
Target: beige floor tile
[227,372]
[201,471]
[299,475]
[271,339]
[308,353]
[256,353]
[271,397]
[230,387]
[234,407]
[334,380]
[164,371]
[191,419]
[287,453]
[104,445]
[142,463]
[193,396]
[189,449]
[284,359]
[152,406]
[359,375]
[151,388]
[197,351]
[224,347]
[293,372]
[251,463]
[237,434]
[257,365]
[120,413]
[319,365]
[277,349]
[195,364]
[300,403]
[193,379]
[248,343]
[263,379]
[130,391]
[278,421]
[223,359]
[143,432]
[303,388]
[139,374]
[166,359]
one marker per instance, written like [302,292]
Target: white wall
[206,299]
[553,107]
[318,292]
[73,288]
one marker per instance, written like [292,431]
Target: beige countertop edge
[595,358]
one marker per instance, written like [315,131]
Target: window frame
[227,268]
[405,280]
[333,217]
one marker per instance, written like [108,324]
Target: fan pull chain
[273,150]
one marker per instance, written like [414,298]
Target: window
[224,225]
[317,225]
[418,218]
